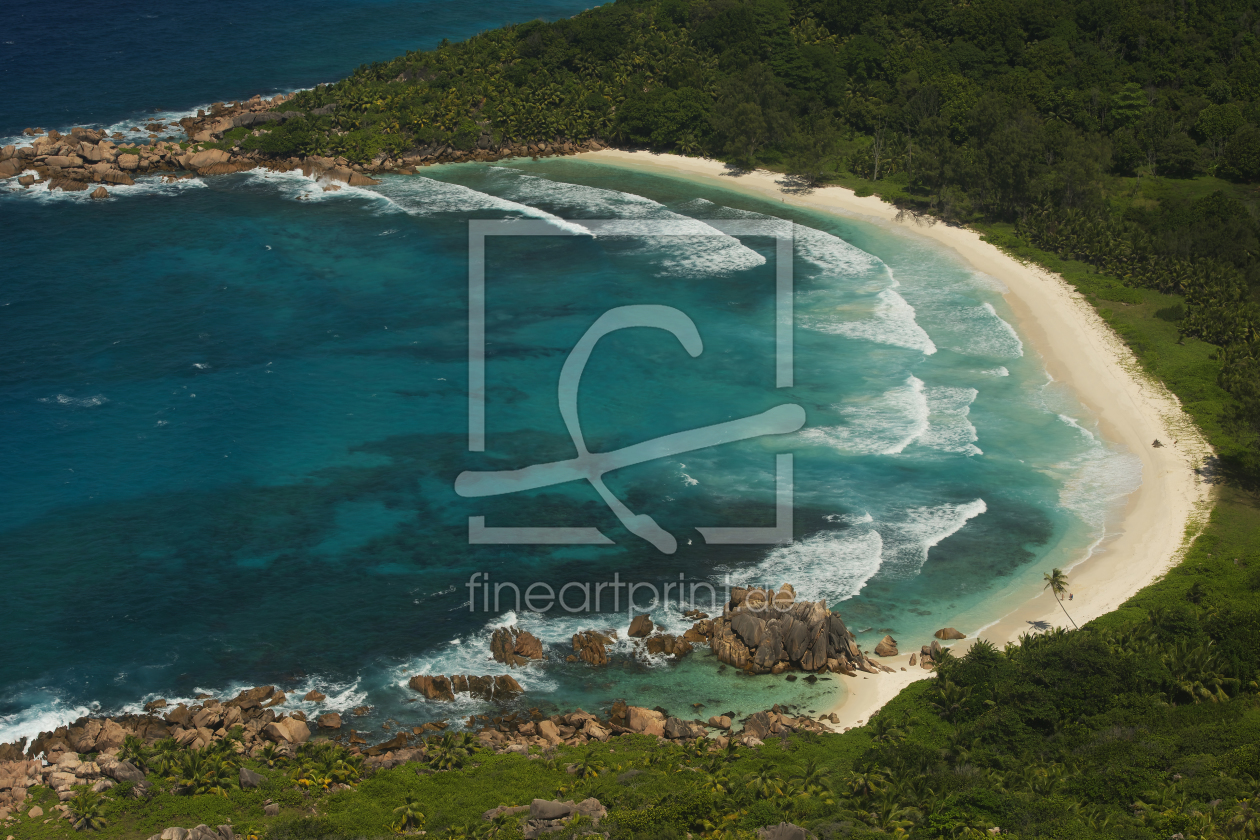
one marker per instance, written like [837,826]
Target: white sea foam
[1071,421]
[77,402]
[833,256]
[1007,328]
[1000,370]
[44,717]
[976,330]
[146,185]
[907,543]
[169,117]
[1096,481]
[470,653]
[884,425]
[890,321]
[693,248]
[420,196]
[836,565]
[949,428]
[414,195]
[829,565]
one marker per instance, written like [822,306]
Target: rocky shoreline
[87,158]
[759,632]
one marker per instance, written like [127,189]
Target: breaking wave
[890,321]
[908,542]
[692,248]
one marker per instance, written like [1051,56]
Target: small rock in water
[100,192]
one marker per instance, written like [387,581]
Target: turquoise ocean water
[233,410]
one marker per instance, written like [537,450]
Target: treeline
[1030,110]
[1146,731]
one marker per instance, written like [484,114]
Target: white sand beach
[1077,348]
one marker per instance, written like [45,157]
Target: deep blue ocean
[234,409]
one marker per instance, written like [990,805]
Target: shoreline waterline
[1078,350]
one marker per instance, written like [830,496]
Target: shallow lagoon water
[235,409]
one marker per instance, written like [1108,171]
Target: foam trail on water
[907,543]
[417,195]
[974,330]
[1071,421]
[829,565]
[414,195]
[891,321]
[949,428]
[827,252]
[831,254]
[1096,480]
[1007,328]
[77,402]
[144,186]
[692,248]
[885,425]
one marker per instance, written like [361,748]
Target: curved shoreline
[1078,349]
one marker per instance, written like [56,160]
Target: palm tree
[950,699]
[271,755]
[764,784]
[87,809]
[204,772]
[134,750]
[1057,583]
[589,767]
[410,817]
[718,783]
[165,757]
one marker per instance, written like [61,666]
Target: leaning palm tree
[1057,583]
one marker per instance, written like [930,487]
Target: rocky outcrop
[783,831]
[201,832]
[502,687]
[763,632]
[287,731]
[949,633]
[86,156]
[887,646]
[547,816]
[668,645]
[515,647]
[641,626]
[591,646]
